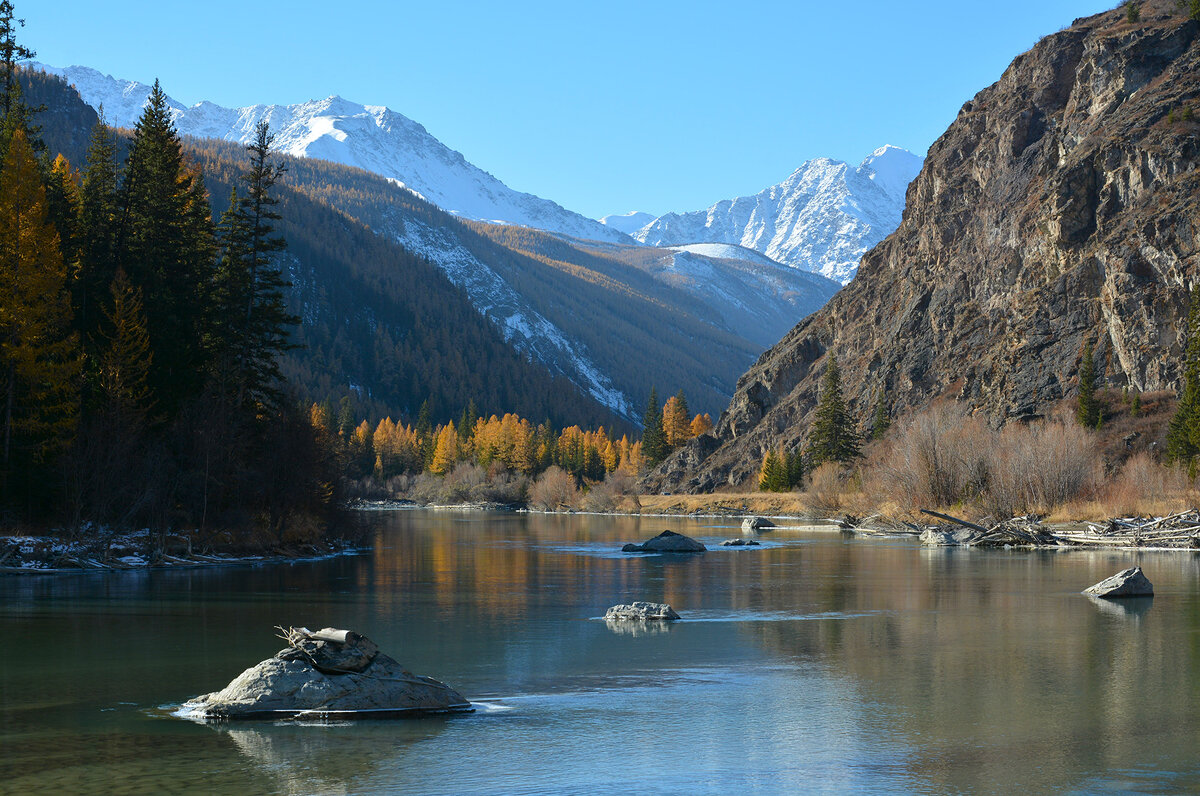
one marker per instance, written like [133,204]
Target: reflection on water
[817,662]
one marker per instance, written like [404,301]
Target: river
[814,663]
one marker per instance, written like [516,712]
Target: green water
[814,663]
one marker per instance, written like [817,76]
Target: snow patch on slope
[628,223]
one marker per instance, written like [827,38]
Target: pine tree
[795,468]
[10,53]
[250,288]
[39,363]
[1087,409]
[1135,404]
[654,438]
[164,242]
[833,437]
[1183,432]
[97,232]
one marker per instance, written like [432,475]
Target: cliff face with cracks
[1062,206]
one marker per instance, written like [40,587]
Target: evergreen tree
[1087,409]
[654,438]
[125,361]
[39,363]
[774,476]
[883,420]
[97,233]
[1135,404]
[164,242]
[833,437]
[250,288]
[1183,432]
[795,468]
[11,51]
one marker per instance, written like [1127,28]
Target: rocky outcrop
[329,673]
[1059,208]
[640,612]
[666,542]
[1126,583]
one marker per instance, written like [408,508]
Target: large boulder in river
[1126,583]
[640,612]
[666,542]
[327,673]
[757,524]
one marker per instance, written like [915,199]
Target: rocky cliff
[1061,206]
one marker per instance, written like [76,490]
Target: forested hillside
[379,324]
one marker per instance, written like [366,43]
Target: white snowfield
[628,223]
[370,137]
[822,218]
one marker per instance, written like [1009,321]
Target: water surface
[816,662]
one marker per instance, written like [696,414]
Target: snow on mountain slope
[628,223]
[370,137]
[822,218]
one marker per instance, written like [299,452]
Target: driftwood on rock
[325,674]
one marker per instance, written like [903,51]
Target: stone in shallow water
[640,611]
[293,684]
[739,543]
[756,524]
[1126,583]
[666,542]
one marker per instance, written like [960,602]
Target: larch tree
[38,351]
[676,421]
[445,453]
[701,424]
[833,437]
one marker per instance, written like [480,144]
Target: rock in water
[1127,583]
[756,524]
[640,612]
[666,542]
[329,673]
[739,543]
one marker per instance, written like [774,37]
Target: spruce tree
[795,468]
[164,242]
[654,438]
[97,232]
[833,437]
[11,51]
[125,360]
[1087,409]
[1183,432]
[250,287]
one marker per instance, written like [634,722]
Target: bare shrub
[501,486]
[824,493]
[935,458]
[554,490]
[1036,467]
[607,495]
[1142,487]
[425,488]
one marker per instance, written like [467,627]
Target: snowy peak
[822,218]
[628,223]
[370,137]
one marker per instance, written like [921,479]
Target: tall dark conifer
[11,51]
[164,242]
[1183,433]
[654,438]
[833,437]
[98,215]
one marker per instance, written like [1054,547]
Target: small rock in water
[739,543]
[640,611]
[1127,583]
[756,524]
[327,673]
[666,542]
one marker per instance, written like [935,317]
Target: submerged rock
[757,524]
[329,673]
[739,543]
[640,612]
[666,542]
[1126,583]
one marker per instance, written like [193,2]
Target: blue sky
[604,108]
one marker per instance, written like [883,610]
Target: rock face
[666,542]
[330,673]
[639,612]
[1127,583]
[756,524]
[1058,209]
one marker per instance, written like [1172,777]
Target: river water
[814,663]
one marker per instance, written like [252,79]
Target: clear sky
[602,107]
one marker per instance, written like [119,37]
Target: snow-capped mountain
[822,218]
[628,223]
[370,137]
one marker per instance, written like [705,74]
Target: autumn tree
[38,352]
[833,437]
[445,452]
[701,424]
[676,421]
